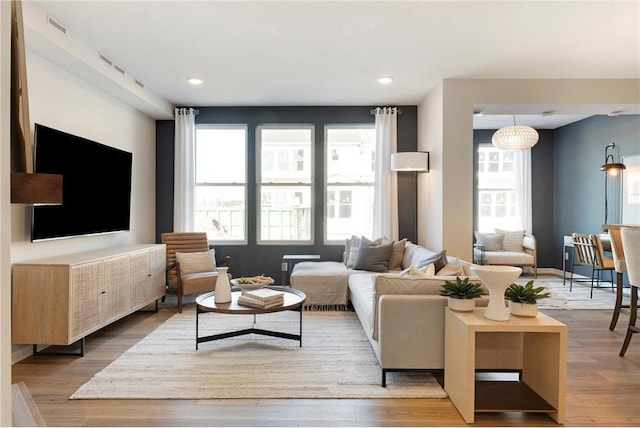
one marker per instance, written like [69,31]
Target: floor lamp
[611,169]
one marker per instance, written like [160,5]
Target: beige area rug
[577,298]
[335,361]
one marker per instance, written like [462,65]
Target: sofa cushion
[512,239]
[373,258]
[490,241]
[510,258]
[202,261]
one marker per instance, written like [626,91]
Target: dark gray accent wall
[541,187]
[253,259]
[579,152]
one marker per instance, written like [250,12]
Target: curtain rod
[195,110]
[373,111]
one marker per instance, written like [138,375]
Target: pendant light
[516,137]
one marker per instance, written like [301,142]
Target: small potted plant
[523,299]
[460,294]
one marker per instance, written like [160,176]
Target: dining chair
[620,267]
[631,246]
[589,251]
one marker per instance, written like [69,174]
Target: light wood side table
[542,384]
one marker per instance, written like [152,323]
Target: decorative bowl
[236,282]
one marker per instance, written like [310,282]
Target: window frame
[259,183]
[325,181]
[494,190]
[244,127]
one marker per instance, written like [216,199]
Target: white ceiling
[331,53]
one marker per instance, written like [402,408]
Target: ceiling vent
[139,83]
[119,69]
[58,26]
[105,59]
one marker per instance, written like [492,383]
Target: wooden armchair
[191,265]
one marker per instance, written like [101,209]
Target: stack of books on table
[262,298]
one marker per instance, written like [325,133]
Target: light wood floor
[603,389]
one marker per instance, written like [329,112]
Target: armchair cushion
[204,261]
[490,241]
[512,239]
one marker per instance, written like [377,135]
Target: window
[350,165]
[497,196]
[284,184]
[221,187]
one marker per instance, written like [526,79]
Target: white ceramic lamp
[497,279]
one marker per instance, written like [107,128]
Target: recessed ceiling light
[385,80]
[195,81]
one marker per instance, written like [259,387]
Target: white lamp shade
[410,161]
[515,137]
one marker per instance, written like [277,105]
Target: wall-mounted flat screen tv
[96,186]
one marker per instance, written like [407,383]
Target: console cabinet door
[86,299]
[157,268]
[117,295]
[139,279]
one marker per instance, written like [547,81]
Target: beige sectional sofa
[402,315]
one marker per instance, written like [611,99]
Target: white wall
[5,216]
[430,185]
[62,101]
[456,117]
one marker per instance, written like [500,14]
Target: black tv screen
[96,186]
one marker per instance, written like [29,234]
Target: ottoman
[324,283]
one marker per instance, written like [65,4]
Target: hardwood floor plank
[602,388]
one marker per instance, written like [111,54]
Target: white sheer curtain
[522,160]
[184,170]
[385,195]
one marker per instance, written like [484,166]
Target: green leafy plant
[462,289]
[525,293]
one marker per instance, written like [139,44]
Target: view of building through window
[284,191]
[284,183]
[220,188]
[350,166]
[497,197]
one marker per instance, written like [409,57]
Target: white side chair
[631,247]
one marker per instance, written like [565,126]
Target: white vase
[497,279]
[223,288]
[461,305]
[523,309]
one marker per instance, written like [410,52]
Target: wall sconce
[611,169]
[410,161]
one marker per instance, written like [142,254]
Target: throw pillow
[491,241]
[512,239]
[374,258]
[438,259]
[204,261]
[452,269]
[354,246]
[395,261]
[428,270]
